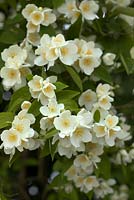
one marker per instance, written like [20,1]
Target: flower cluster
[52,48]
[124,157]
[17,63]
[81,135]
[123,193]
[37,16]
[20,136]
[83,166]
[42,90]
[86,8]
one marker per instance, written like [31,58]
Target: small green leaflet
[60,86]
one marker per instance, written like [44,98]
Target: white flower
[48,89]
[65,123]
[23,114]
[103,90]
[36,84]
[82,47]
[80,135]
[89,63]
[87,99]
[58,41]
[49,17]
[53,109]
[46,123]
[71,173]
[46,52]
[108,130]
[105,102]
[10,138]
[70,10]
[79,182]
[132,52]
[32,28]
[23,128]
[104,188]
[82,161]
[89,9]
[89,49]
[33,38]
[36,17]
[100,130]
[68,7]
[111,121]
[85,118]
[94,148]
[10,77]
[65,148]
[27,11]
[68,53]
[26,105]
[108,58]
[14,52]
[90,183]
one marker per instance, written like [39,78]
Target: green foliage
[97,116]
[66,94]
[34,109]
[76,78]
[103,74]
[57,3]
[18,97]
[6,119]
[75,29]
[60,86]
[114,35]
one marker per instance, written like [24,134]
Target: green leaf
[49,149]
[14,158]
[35,108]
[6,119]
[12,3]
[47,30]
[45,151]
[18,97]
[103,74]
[75,29]
[128,63]
[2,197]
[76,78]
[70,104]
[50,133]
[57,3]
[29,77]
[104,167]
[90,195]
[129,11]
[12,36]
[97,116]
[67,94]
[17,19]
[60,86]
